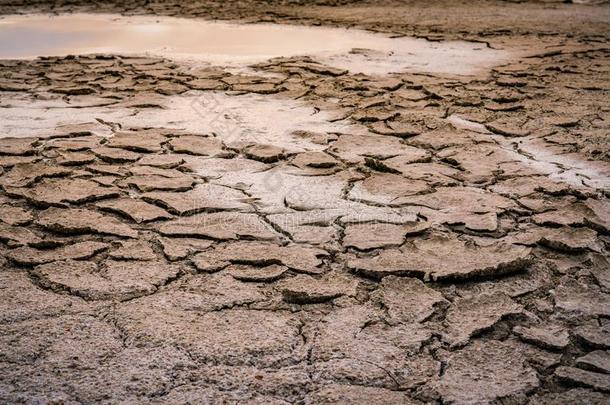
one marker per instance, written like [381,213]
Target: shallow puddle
[221,43]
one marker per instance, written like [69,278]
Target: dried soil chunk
[199,145]
[373,236]
[74,158]
[260,274]
[408,300]
[14,215]
[579,298]
[470,316]
[463,200]
[597,337]
[264,153]
[204,197]
[115,155]
[73,90]
[17,146]
[374,115]
[387,189]
[598,360]
[63,191]
[435,173]
[575,376]
[601,214]
[140,141]
[221,225]
[10,161]
[304,289]
[428,258]
[170,89]
[152,182]
[27,256]
[133,250]
[143,170]
[319,160]
[485,372]
[353,345]
[398,129]
[570,215]
[553,337]
[354,148]
[17,236]
[571,240]
[78,221]
[26,174]
[113,170]
[206,84]
[506,129]
[216,292]
[75,144]
[564,239]
[136,210]
[179,248]
[299,258]
[441,139]
[114,280]
[476,209]
[161,161]
[524,186]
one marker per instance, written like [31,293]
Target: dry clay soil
[422,260]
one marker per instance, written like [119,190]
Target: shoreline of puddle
[235,44]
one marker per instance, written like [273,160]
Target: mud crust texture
[452,247]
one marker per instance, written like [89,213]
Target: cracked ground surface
[450,246]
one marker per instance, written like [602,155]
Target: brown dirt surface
[452,246]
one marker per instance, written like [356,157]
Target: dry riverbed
[414,215]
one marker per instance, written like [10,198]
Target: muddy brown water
[224,43]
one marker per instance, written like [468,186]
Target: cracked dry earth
[450,245]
